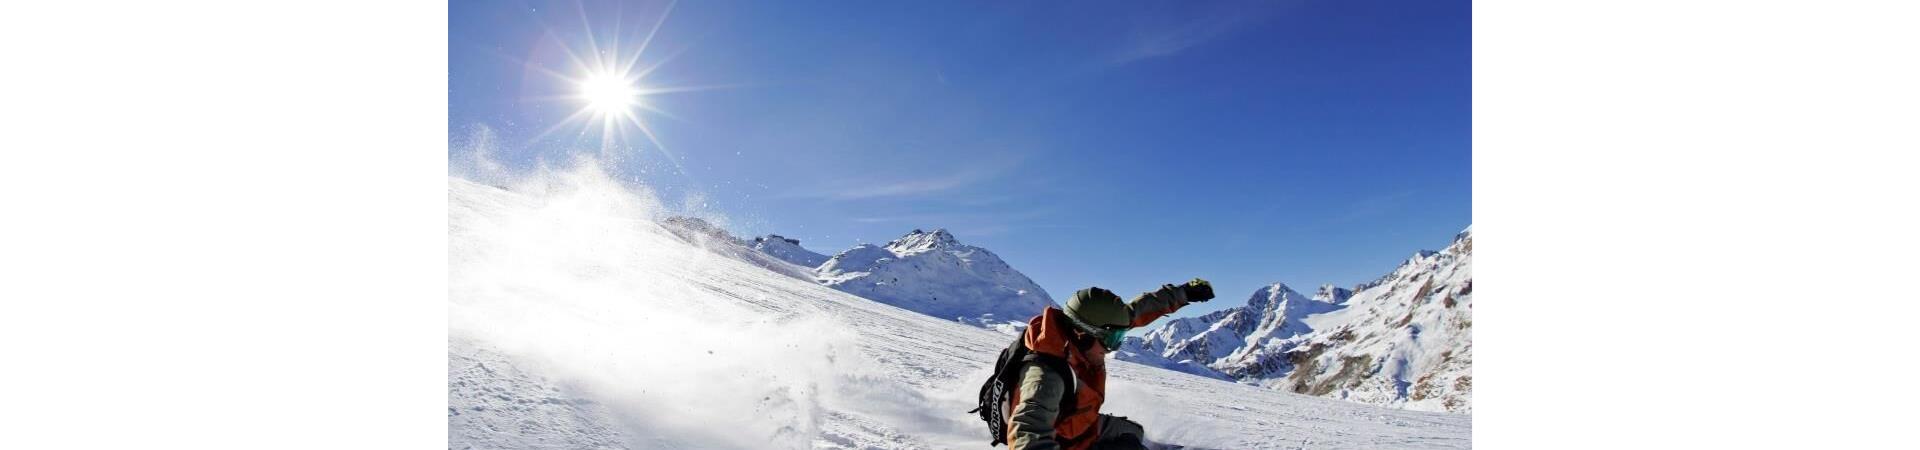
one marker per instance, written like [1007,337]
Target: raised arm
[1150,306]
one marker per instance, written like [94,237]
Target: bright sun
[608,85]
[609,94]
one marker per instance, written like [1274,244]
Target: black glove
[1198,290]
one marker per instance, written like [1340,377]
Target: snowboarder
[1093,323]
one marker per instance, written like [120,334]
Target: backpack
[997,392]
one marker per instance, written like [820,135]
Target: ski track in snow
[575,321]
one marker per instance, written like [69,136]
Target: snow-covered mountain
[705,235]
[573,325]
[927,272]
[1404,340]
[789,250]
[1274,312]
[934,274]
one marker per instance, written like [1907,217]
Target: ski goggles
[1110,336]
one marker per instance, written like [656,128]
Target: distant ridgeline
[925,272]
[1403,340]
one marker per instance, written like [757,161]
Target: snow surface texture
[577,320]
[1404,340]
[934,274]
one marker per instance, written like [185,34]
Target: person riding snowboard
[1093,323]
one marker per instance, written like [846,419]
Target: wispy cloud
[1159,36]
[955,217]
[911,187]
[914,185]
[1371,207]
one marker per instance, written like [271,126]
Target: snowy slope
[1404,340]
[934,274]
[576,320]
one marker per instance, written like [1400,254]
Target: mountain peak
[1331,294]
[921,240]
[1404,339]
[789,250]
[937,234]
[932,273]
[776,237]
[1265,297]
[1278,288]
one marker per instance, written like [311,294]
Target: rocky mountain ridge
[1404,339]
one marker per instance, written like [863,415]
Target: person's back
[1092,323]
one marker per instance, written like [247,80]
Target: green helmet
[1099,307]
[1101,314]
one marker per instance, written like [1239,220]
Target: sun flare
[609,94]
[606,84]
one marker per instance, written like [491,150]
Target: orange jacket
[1053,334]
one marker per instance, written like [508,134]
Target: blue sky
[1118,144]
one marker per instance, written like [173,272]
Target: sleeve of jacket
[1040,392]
[1150,306]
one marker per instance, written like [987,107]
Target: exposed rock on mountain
[1405,339]
[789,250]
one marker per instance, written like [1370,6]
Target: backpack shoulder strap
[1059,366]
